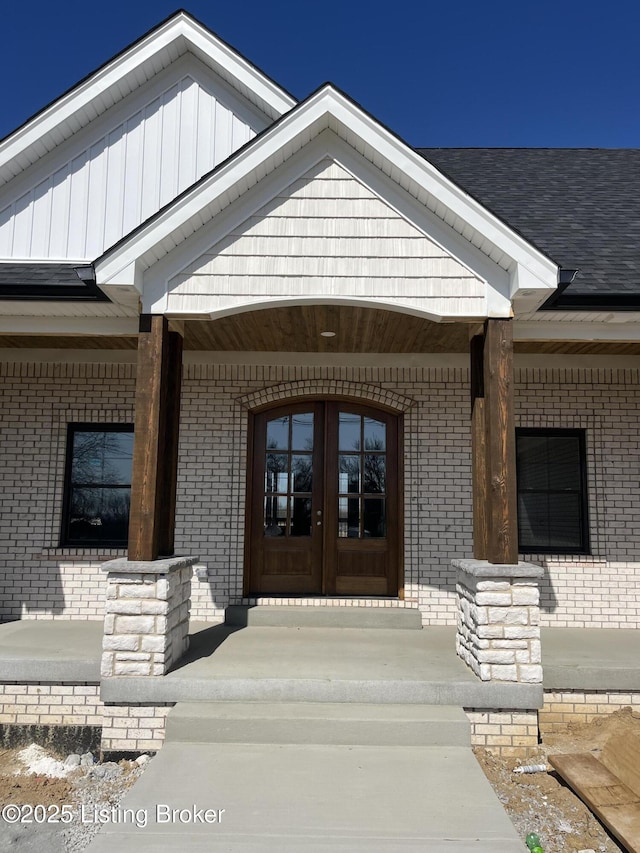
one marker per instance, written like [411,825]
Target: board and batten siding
[327,236]
[109,188]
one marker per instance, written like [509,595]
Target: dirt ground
[87,786]
[542,803]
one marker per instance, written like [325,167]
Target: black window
[552,491]
[97,488]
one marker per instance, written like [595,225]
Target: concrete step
[291,616]
[323,723]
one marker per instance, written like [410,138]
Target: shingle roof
[581,206]
[45,281]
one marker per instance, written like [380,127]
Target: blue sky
[490,73]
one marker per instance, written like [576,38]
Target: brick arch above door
[327,388]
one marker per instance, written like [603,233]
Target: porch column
[155,446]
[495,530]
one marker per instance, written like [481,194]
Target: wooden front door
[324,501]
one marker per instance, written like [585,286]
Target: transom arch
[317,389]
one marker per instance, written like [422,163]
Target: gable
[326,236]
[327,124]
[117,173]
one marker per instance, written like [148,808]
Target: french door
[324,501]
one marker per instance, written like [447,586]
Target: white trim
[573,331]
[177,35]
[329,109]
[53,326]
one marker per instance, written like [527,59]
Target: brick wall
[579,706]
[37,401]
[503,731]
[44,703]
[602,590]
[131,728]
[40,580]
[134,728]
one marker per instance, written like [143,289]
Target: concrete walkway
[290,798]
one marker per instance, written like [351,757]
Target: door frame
[249,503]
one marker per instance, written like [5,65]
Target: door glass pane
[301,516]
[348,518]
[302,431]
[375,435]
[349,431]
[374,519]
[276,477]
[275,516]
[374,473]
[301,469]
[349,474]
[278,433]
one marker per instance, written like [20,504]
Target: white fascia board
[328,108]
[213,51]
[207,47]
[576,331]
[102,326]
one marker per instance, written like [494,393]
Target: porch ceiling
[299,328]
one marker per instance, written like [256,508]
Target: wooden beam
[169,459]
[478,447]
[152,516]
[502,526]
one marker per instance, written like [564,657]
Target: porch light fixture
[328,334]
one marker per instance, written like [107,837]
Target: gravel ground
[84,787]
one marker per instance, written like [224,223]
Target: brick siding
[502,731]
[48,704]
[578,706]
[40,580]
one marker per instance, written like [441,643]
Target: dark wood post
[502,526]
[495,527]
[155,446]
[478,446]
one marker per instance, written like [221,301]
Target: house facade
[273,337]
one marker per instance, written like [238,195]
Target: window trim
[65,540]
[585,543]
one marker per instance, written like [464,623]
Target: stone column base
[498,633]
[146,626]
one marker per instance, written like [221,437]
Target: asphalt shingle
[581,206]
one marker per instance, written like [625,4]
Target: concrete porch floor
[308,658]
